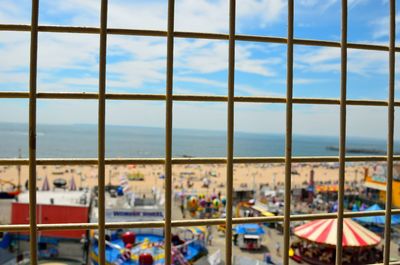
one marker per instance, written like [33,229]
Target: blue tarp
[377,219]
[249,229]
[5,241]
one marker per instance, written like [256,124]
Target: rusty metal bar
[342,134]
[32,132]
[188,161]
[289,131]
[390,140]
[194,35]
[101,132]
[193,222]
[230,133]
[200,98]
[168,130]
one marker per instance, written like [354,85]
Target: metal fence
[230,99]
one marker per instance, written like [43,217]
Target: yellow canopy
[262,211]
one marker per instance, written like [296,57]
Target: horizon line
[197,129]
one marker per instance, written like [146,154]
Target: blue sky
[69,62]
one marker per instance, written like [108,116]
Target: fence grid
[169,97]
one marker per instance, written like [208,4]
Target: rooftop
[58,197]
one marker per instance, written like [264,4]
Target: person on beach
[182,206]
[268,258]
[278,249]
[209,235]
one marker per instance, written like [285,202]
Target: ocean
[73,141]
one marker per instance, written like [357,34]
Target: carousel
[316,243]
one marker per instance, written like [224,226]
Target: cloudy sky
[69,62]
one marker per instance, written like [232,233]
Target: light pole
[109,177]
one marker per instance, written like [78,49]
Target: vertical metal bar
[389,183]
[342,137]
[101,128]
[168,130]
[289,123]
[230,132]
[32,131]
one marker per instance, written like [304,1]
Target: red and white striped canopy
[325,231]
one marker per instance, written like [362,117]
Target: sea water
[127,141]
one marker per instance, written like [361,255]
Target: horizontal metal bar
[69,29]
[200,98]
[67,95]
[194,35]
[189,160]
[14,27]
[137,32]
[194,222]
[201,35]
[11,94]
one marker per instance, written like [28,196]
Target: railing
[102,97]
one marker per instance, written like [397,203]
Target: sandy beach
[245,175]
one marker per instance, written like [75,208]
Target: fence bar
[102,134]
[32,132]
[342,134]
[188,160]
[390,140]
[168,130]
[200,98]
[194,35]
[230,133]
[288,141]
[193,222]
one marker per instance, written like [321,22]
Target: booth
[249,236]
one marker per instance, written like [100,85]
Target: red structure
[146,259]
[129,238]
[52,214]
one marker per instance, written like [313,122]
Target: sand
[245,175]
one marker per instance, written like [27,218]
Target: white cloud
[70,12]
[15,12]
[14,51]
[322,6]
[204,81]
[67,51]
[381,27]
[328,59]
[264,12]
[352,3]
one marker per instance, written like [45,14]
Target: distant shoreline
[361,151]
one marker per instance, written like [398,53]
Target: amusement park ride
[13,190]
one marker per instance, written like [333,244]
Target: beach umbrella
[325,232]
[193,202]
[216,203]
[223,201]
[72,184]
[376,219]
[45,186]
[59,183]
[202,203]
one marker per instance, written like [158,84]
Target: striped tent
[325,231]
[72,184]
[45,185]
